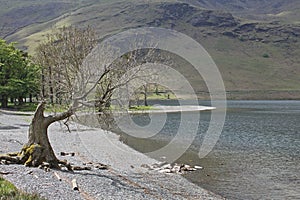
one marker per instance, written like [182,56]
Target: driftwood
[57,176]
[101,166]
[74,185]
[97,165]
[78,168]
[5,173]
[15,160]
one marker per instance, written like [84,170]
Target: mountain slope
[257,59]
[17,14]
[282,10]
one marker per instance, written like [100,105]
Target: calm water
[256,157]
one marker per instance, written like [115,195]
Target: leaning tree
[67,81]
[70,80]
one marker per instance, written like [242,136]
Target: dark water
[257,155]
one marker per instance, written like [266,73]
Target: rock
[167,166]
[165,171]
[45,164]
[187,166]
[78,168]
[67,154]
[213,18]
[47,169]
[176,169]
[102,167]
[146,166]
[159,164]
[248,27]
[230,34]
[176,11]
[163,157]
[198,167]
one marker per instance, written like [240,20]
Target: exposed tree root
[34,156]
[7,159]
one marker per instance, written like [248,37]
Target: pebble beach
[125,178]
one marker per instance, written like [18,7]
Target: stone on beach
[161,167]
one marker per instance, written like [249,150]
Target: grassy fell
[244,64]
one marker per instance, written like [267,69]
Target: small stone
[45,164]
[146,166]
[187,166]
[158,164]
[198,167]
[30,172]
[167,166]
[101,166]
[191,169]
[176,169]
[47,169]
[165,171]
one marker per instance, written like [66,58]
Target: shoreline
[172,109]
[124,179]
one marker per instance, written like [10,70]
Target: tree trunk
[20,100]
[145,96]
[38,148]
[30,98]
[4,101]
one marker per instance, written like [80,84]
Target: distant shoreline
[173,109]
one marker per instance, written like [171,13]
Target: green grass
[135,108]
[9,192]
[161,96]
[31,107]
[26,107]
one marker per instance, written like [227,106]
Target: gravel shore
[125,178]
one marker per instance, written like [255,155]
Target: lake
[256,157]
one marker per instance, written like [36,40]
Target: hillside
[265,10]
[255,47]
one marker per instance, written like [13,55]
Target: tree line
[19,76]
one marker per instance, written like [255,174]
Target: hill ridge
[253,55]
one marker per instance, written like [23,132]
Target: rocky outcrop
[213,18]
[223,23]
[176,11]
[267,32]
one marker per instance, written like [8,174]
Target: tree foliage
[18,75]
[70,79]
[61,57]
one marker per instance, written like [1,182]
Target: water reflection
[257,155]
